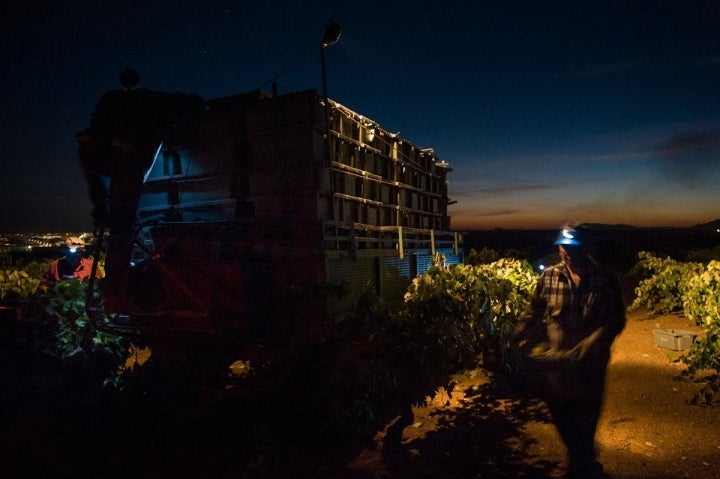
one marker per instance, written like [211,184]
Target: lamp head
[571,234]
[332,34]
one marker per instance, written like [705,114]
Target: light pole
[332,35]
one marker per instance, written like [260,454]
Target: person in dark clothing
[127,128]
[576,312]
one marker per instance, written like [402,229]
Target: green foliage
[450,317]
[470,309]
[702,303]
[665,283]
[484,256]
[67,332]
[36,269]
[509,286]
[703,362]
[701,300]
[17,285]
[694,289]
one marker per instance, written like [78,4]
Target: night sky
[597,111]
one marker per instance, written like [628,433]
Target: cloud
[475,213]
[497,189]
[691,158]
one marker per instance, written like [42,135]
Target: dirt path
[648,429]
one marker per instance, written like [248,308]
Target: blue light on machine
[152,165]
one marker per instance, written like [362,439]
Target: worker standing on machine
[127,128]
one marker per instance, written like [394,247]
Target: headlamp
[569,236]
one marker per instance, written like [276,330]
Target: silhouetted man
[127,128]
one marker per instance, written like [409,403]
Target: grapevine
[664,287]
[693,289]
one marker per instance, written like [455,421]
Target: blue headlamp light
[569,235]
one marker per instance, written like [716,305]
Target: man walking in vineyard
[575,314]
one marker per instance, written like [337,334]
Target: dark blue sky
[597,111]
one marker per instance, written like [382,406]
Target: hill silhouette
[615,245]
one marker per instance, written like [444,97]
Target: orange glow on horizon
[468,220]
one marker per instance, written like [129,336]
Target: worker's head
[129,79]
[572,242]
[74,247]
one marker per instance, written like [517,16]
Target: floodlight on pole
[331,37]
[332,34]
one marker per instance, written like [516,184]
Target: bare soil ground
[648,428]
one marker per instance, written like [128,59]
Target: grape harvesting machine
[256,217]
